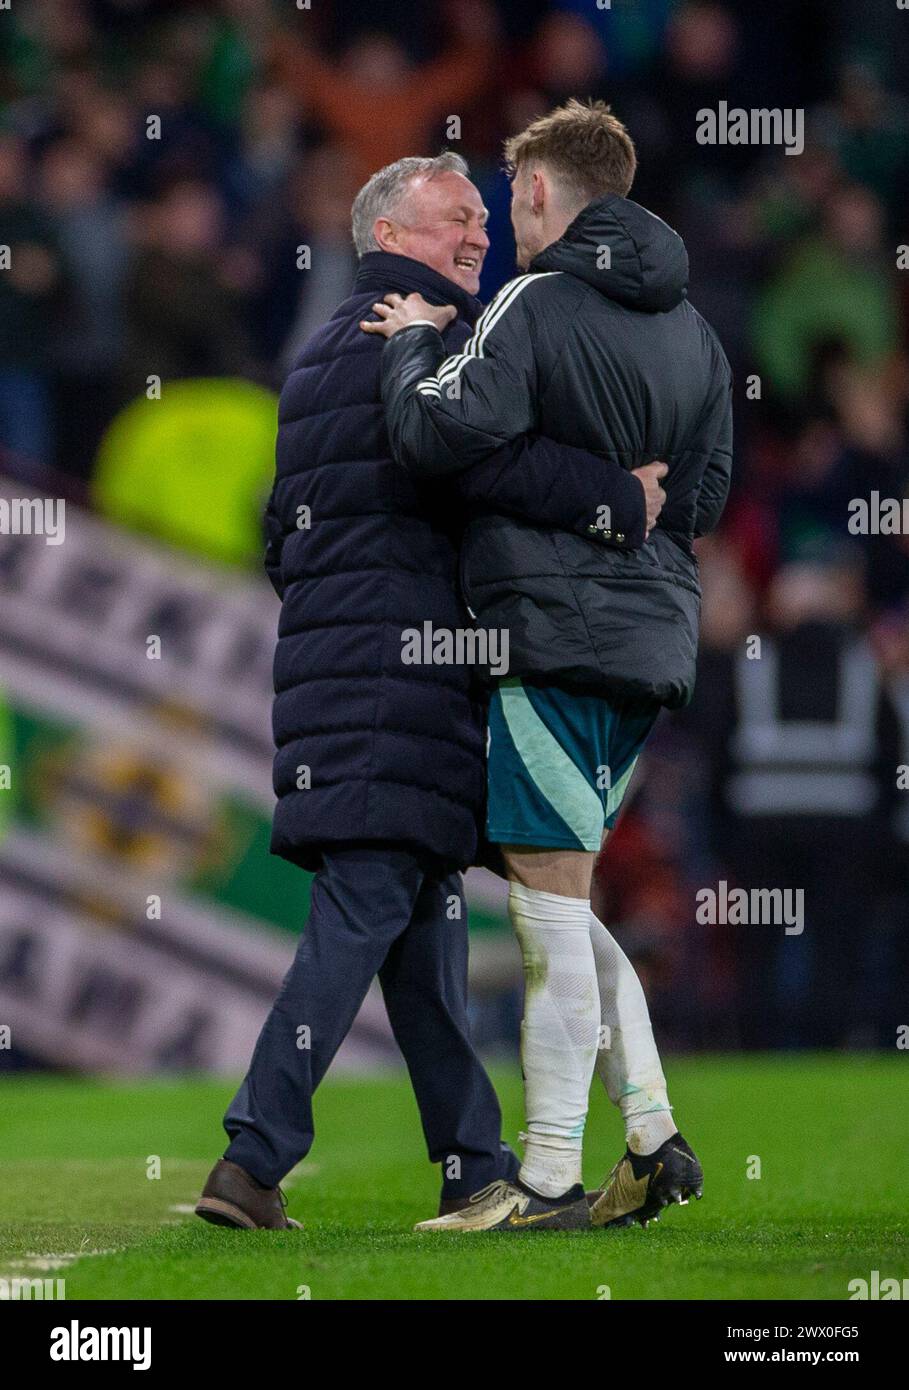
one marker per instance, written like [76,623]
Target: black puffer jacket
[597,347]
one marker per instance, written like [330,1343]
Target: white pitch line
[304,1169]
[43,1262]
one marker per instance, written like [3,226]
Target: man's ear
[385,234]
[538,192]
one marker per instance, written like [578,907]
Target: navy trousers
[375,910]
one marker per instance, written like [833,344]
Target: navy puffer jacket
[390,751]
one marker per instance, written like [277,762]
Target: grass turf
[830,1204]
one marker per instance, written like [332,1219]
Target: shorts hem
[500,837]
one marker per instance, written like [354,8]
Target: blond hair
[583,144]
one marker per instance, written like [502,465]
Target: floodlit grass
[830,1205]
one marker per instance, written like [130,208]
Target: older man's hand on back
[395,312]
[649,475]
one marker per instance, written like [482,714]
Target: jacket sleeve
[445,415]
[715,482]
[274,543]
[559,486]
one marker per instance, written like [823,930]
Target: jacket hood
[382,270]
[648,263]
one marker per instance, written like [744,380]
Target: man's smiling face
[442,222]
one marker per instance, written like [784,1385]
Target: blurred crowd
[163,163]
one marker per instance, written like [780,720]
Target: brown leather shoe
[232,1197]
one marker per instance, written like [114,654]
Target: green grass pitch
[830,1204]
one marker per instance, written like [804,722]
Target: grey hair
[383,194]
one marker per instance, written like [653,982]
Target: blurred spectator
[184,292]
[867,132]
[796,735]
[700,68]
[106,123]
[568,58]
[27,285]
[234,59]
[188,147]
[268,145]
[787,199]
[630,38]
[90,227]
[375,101]
[322,190]
[834,288]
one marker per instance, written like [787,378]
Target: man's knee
[567,872]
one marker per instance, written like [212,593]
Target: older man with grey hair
[380,764]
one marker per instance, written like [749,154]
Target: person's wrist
[637,529]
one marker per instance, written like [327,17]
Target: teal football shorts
[559,763]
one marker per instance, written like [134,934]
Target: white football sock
[559,1032]
[628,1063]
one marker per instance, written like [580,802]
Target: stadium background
[143,925]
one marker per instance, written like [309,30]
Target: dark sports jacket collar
[384,272]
